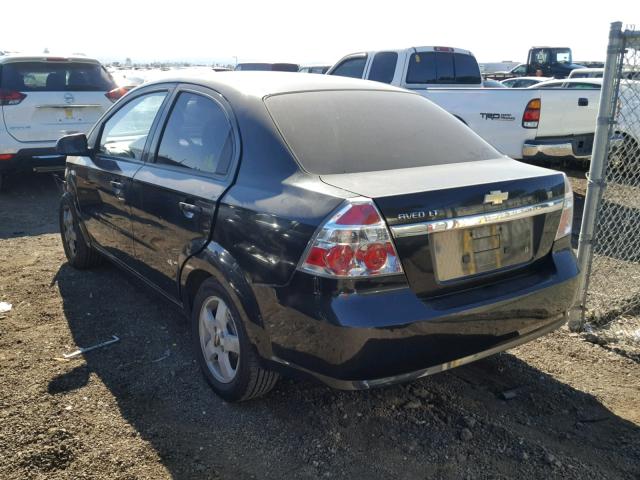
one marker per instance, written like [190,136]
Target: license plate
[68,113]
[462,253]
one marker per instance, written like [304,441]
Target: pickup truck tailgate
[567,112]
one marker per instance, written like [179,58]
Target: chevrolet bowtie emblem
[496,197]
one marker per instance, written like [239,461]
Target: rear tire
[226,357]
[79,253]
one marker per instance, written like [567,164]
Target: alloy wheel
[69,230]
[219,339]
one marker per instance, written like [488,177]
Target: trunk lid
[455,225]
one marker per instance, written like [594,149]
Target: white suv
[43,98]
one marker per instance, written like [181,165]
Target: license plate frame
[461,253]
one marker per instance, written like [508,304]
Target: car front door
[103,179]
[192,160]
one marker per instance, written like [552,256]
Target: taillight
[11,97]
[6,156]
[566,219]
[355,242]
[116,93]
[531,115]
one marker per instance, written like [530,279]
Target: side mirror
[75,144]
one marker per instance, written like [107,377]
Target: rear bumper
[578,147]
[365,339]
[45,159]
[414,375]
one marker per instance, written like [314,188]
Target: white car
[572,83]
[43,98]
[523,82]
[587,73]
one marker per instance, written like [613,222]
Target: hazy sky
[308,32]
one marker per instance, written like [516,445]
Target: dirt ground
[140,409]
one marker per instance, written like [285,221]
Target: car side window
[351,67]
[520,70]
[383,67]
[552,85]
[584,86]
[125,133]
[197,136]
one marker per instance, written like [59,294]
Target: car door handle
[117,185]
[189,209]
[583,102]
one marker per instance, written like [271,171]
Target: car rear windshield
[350,131]
[55,77]
[444,68]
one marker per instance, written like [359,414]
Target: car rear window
[383,67]
[443,68]
[55,77]
[352,131]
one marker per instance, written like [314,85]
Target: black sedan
[325,226]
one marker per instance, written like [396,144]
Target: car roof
[262,84]
[588,69]
[428,48]
[593,81]
[25,57]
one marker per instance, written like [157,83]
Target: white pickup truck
[520,122]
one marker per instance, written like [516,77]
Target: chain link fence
[609,248]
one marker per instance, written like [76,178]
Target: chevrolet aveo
[337,228]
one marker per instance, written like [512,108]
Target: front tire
[225,355]
[79,253]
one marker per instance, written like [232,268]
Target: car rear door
[59,97]
[103,180]
[192,161]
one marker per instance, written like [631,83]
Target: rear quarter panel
[267,227]
[267,217]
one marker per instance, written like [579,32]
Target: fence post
[595,179]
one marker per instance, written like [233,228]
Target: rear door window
[383,67]
[55,77]
[197,136]
[125,133]
[351,67]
